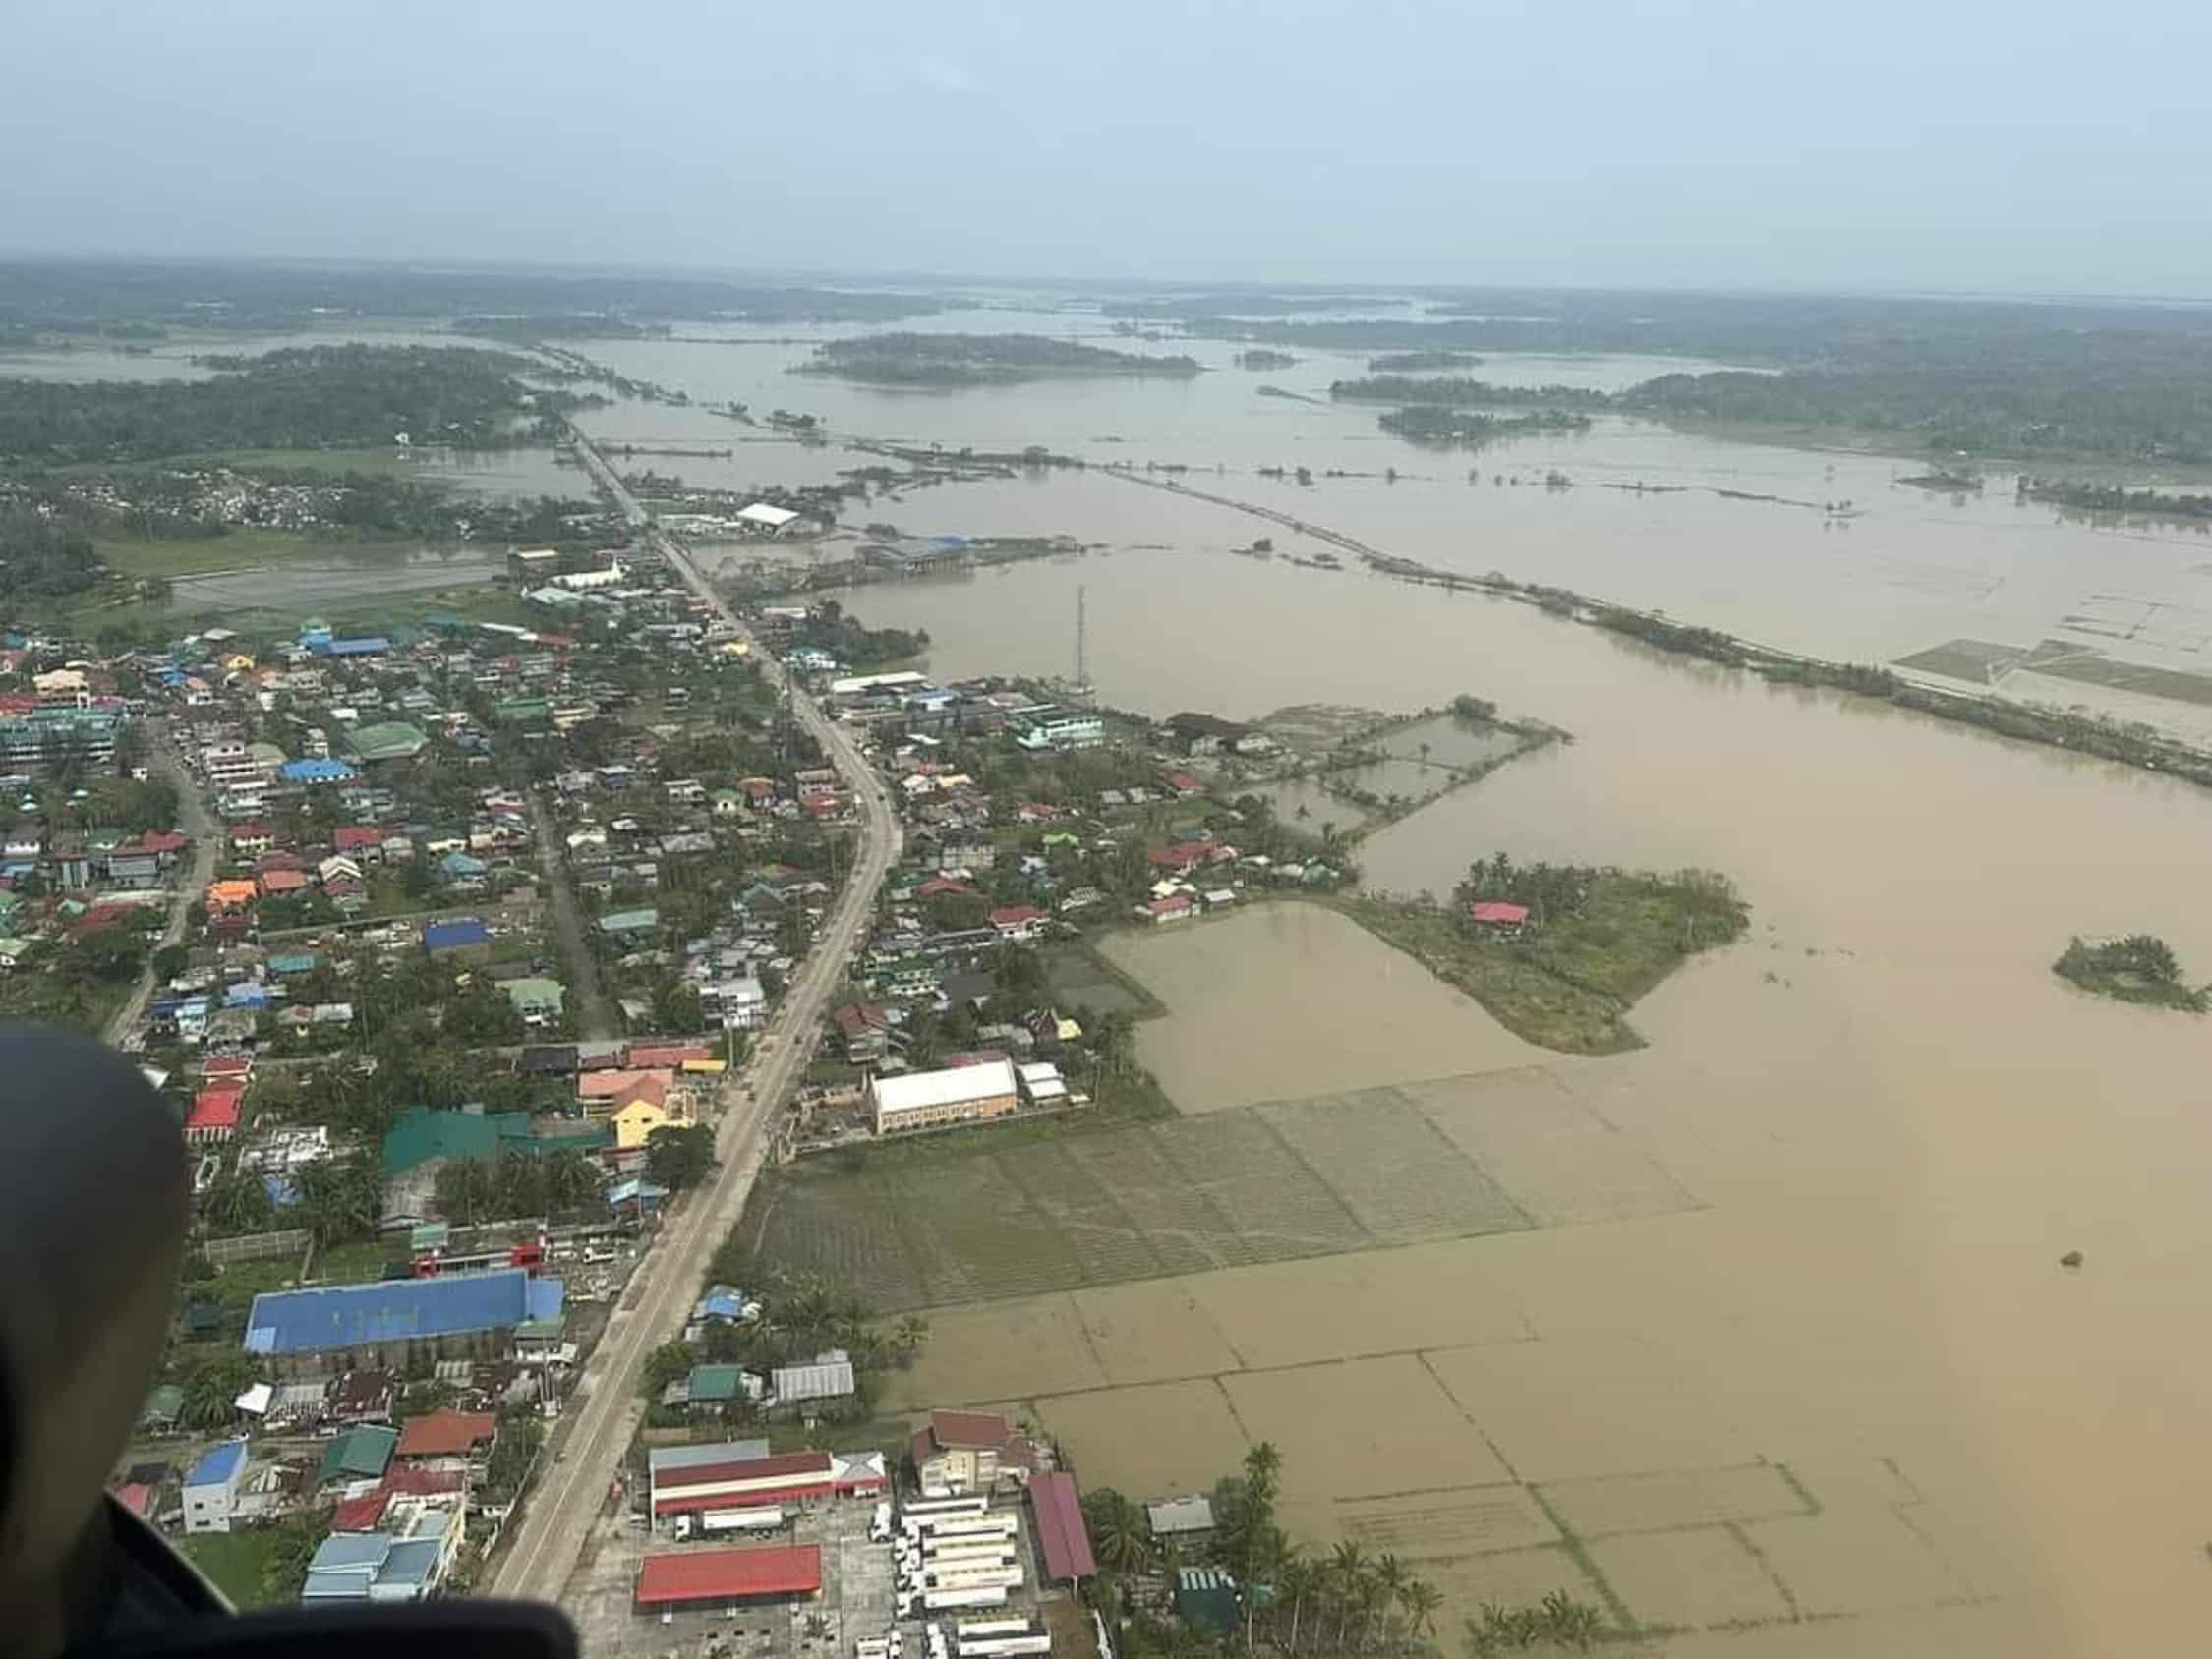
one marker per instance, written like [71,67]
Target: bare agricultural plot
[1693,1579]
[1289,1181]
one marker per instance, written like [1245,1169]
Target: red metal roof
[790,1491]
[1016,916]
[214,1109]
[445,1433]
[1497,910]
[1060,1527]
[973,1430]
[728,1574]
[782,1466]
[361,1514]
[138,1498]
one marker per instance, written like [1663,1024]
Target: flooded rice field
[1239,984]
[1820,1235]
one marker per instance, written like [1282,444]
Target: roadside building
[927,1100]
[210,1488]
[472,1315]
[736,1483]
[775,1574]
[446,1433]
[970,1452]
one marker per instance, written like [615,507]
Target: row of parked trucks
[954,1555]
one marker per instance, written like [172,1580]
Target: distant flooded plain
[1889,1120]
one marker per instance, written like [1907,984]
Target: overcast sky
[1888,144]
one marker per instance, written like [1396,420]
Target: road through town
[584,1455]
[190,882]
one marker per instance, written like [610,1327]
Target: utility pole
[1082,653]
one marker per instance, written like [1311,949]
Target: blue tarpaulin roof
[315,771]
[452,935]
[343,1316]
[219,1465]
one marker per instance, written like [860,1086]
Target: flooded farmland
[1825,1238]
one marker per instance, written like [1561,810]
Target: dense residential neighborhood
[449,942]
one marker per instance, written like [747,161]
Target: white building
[761,519]
[1042,1084]
[210,1488]
[928,1100]
[1067,731]
[592,581]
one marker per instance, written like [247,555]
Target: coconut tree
[1389,1580]
[1348,1571]
[1420,1600]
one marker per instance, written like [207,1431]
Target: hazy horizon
[1717,146]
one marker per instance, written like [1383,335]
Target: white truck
[708,1523]
[1003,1524]
[969,1578]
[879,1529]
[1003,1648]
[943,1601]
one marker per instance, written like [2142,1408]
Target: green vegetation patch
[1596,940]
[975,360]
[238,1562]
[2139,968]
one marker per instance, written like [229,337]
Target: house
[447,1434]
[210,1488]
[865,1028]
[285,884]
[468,938]
[1185,1519]
[362,1452]
[538,1000]
[642,1111]
[231,894]
[1176,907]
[1017,922]
[213,1119]
[970,1452]
[314,774]
[827,1376]
[1498,916]
[357,841]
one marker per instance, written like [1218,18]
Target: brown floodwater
[1892,1117]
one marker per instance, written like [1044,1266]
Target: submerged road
[584,1455]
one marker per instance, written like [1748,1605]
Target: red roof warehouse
[786,1479]
[1066,1541]
[726,1576]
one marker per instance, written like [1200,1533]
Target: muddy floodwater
[1841,1394]
[1240,985]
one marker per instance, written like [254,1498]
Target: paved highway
[584,1450]
[190,882]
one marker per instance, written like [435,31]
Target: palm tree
[1389,1581]
[1118,1529]
[1348,1569]
[1420,1600]
[910,1335]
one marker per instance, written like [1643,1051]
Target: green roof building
[629,920]
[387,740]
[524,711]
[717,1385]
[362,1452]
[541,999]
[1206,1599]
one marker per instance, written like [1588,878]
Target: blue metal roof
[218,1466]
[451,935]
[368,646]
[315,771]
[411,1561]
[350,1551]
[342,1316]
